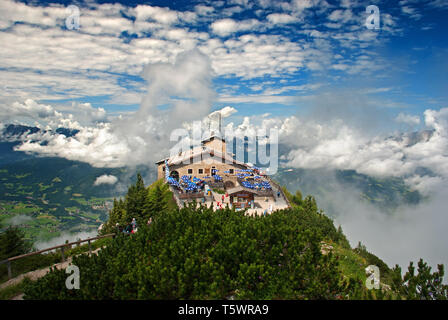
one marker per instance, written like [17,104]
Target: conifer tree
[424,285]
[136,199]
[12,243]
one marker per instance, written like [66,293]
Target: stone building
[201,161]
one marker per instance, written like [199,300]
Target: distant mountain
[413,138]
[15,132]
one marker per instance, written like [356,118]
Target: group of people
[132,227]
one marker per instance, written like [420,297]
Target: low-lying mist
[407,233]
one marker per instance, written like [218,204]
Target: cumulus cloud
[43,115]
[162,15]
[342,147]
[105,179]
[225,27]
[29,108]
[225,112]
[203,10]
[177,92]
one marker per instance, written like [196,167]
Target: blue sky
[267,56]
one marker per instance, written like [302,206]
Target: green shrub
[201,254]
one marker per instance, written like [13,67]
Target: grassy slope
[352,262]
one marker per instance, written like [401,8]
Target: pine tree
[297,198]
[136,199]
[12,243]
[155,201]
[424,285]
[116,215]
[309,204]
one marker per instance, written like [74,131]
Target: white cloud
[335,143]
[225,27]
[64,64]
[342,16]
[30,109]
[105,179]
[225,112]
[408,119]
[178,92]
[162,15]
[338,146]
[47,116]
[281,18]
[203,10]
[412,12]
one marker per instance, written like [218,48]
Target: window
[190,171]
[200,171]
[231,171]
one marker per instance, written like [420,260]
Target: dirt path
[36,274]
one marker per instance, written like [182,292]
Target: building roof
[212,137]
[239,189]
